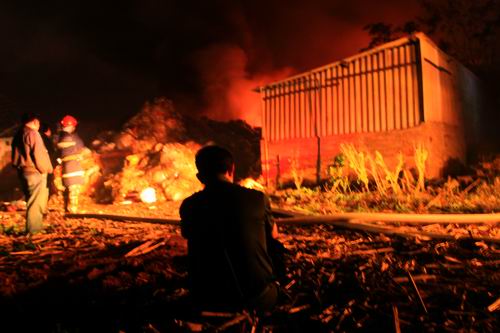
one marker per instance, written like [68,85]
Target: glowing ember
[148,195]
[253,184]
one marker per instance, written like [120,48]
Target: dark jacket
[29,154]
[51,149]
[70,147]
[225,225]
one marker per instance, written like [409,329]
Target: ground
[90,275]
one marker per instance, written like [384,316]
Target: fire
[148,195]
[159,172]
[228,84]
[252,184]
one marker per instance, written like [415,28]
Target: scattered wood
[145,248]
[494,306]
[397,326]
[235,321]
[372,251]
[422,277]
[417,291]
[299,308]
[21,253]
[217,314]
[366,270]
[387,230]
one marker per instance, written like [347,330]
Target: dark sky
[101,60]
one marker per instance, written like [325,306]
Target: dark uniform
[31,159]
[49,144]
[229,267]
[70,146]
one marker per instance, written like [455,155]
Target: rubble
[155,149]
[337,280]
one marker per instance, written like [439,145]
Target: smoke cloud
[228,87]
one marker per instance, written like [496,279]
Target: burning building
[390,99]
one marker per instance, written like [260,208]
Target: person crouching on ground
[70,147]
[225,226]
[32,161]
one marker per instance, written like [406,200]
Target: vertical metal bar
[381,89]
[409,85]
[403,87]
[395,86]
[265,165]
[275,115]
[385,110]
[303,113]
[369,92]
[329,91]
[297,108]
[357,101]
[352,101]
[415,85]
[335,101]
[340,99]
[418,53]
[376,93]
[345,99]
[284,119]
[371,114]
[400,95]
[364,93]
[324,104]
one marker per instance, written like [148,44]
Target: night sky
[101,60]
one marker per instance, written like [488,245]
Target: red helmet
[69,121]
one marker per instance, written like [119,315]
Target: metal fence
[379,90]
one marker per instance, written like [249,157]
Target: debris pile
[156,150]
[169,169]
[352,281]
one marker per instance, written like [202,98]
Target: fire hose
[352,221]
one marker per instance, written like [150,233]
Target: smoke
[136,50]
[269,45]
[228,86]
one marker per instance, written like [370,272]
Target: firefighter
[71,146]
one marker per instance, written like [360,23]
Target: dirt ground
[90,275]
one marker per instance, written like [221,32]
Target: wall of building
[374,91]
[452,94]
[390,99]
[439,139]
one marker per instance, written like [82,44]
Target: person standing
[70,147]
[226,228]
[46,133]
[32,161]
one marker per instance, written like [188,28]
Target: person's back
[70,146]
[229,266]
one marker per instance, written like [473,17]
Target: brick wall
[444,142]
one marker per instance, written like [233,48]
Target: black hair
[213,160]
[29,117]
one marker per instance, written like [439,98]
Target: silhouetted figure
[225,225]
[32,161]
[71,146]
[46,133]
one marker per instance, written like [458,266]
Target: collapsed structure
[391,99]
